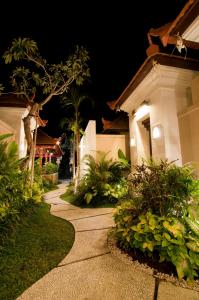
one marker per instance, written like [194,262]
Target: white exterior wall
[164,113]
[87,144]
[91,143]
[110,144]
[189,134]
[165,89]
[13,117]
[5,128]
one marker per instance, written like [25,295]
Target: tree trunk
[73,156]
[29,138]
[77,141]
[78,154]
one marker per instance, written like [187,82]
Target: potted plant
[50,172]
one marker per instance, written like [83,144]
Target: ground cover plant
[162,216]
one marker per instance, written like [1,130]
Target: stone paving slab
[56,207]
[100,278]
[97,241]
[97,222]
[84,212]
[89,272]
[169,291]
[55,194]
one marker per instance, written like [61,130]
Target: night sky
[115,35]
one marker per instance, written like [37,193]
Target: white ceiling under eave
[192,32]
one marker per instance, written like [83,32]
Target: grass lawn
[69,196]
[38,245]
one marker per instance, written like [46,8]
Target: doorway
[146,124]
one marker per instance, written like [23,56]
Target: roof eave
[161,58]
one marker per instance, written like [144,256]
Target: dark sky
[115,33]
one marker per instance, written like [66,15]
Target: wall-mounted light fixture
[132,142]
[142,111]
[156,132]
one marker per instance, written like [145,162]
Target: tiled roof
[166,33]
[121,123]
[44,139]
[13,101]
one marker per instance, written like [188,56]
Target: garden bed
[162,271]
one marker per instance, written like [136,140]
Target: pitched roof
[187,15]
[161,58]
[13,101]
[21,102]
[120,124]
[44,139]
[47,142]
[168,34]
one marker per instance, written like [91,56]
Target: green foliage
[162,215]
[169,236]
[34,75]
[103,181]
[164,188]
[48,185]
[50,168]
[14,187]
[123,160]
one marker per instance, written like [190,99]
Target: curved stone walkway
[90,271]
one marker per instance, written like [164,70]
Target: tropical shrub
[163,187]
[162,216]
[15,196]
[48,185]
[103,182]
[50,168]
[169,236]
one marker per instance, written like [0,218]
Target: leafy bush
[169,236]
[48,185]
[50,168]
[162,215]
[163,188]
[14,187]
[103,181]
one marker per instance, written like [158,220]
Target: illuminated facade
[162,99]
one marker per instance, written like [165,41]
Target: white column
[164,113]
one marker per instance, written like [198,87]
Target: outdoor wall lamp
[142,110]
[132,142]
[156,132]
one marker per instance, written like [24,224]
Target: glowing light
[142,111]
[22,147]
[132,142]
[156,132]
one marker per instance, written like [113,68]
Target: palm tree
[74,99]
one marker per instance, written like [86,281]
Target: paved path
[90,271]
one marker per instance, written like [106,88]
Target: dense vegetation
[15,193]
[162,215]
[104,181]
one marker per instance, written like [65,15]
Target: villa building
[162,99]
